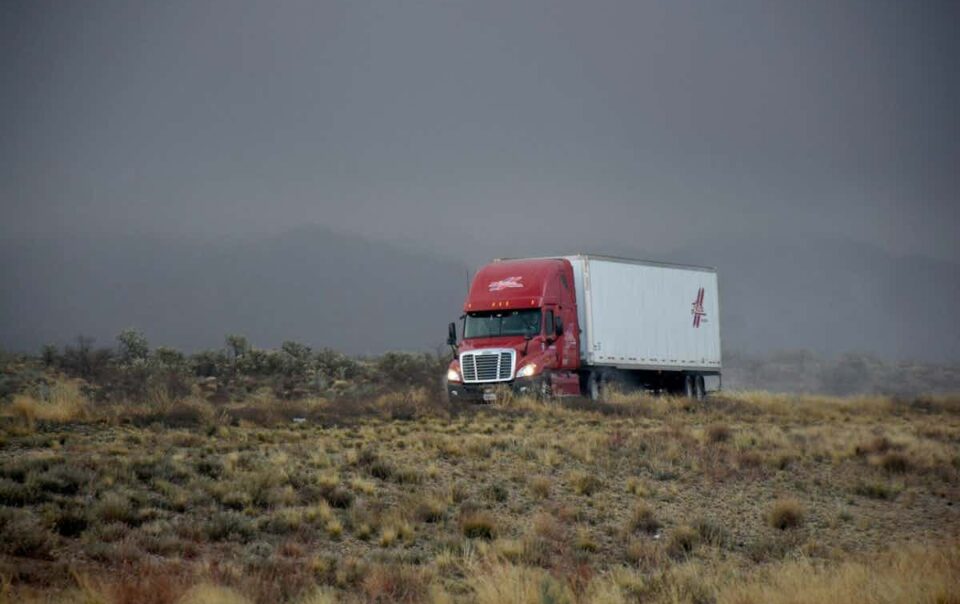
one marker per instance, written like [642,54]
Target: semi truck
[584,325]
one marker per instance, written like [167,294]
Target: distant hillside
[362,296]
[311,285]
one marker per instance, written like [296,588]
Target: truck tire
[700,388]
[689,386]
[544,388]
[594,386]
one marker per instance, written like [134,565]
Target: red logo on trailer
[697,310]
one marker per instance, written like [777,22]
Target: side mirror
[452,334]
[558,327]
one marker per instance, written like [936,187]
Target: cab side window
[548,323]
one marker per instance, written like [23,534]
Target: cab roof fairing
[515,284]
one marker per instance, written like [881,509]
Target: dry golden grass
[639,499]
[502,583]
[785,514]
[909,575]
[213,594]
[64,402]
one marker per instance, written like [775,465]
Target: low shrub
[895,462]
[682,541]
[15,494]
[540,486]
[430,509]
[22,534]
[64,480]
[712,533]
[876,489]
[478,525]
[115,507]
[229,526]
[584,483]
[643,519]
[396,583]
[338,497]
[718,433]
[71,522]
[785,514]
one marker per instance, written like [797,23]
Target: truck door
[568,343]
[567,353]
[554,348]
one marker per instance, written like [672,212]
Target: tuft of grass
[63,403]
[712,533]
[522,584]
[71,521]
[381,469]
[643,519]
[585,542]
[229,526]
[334,528]
[540,486]
[785,514]
[879,444]
[915,573]
[115,507]
[407,475]
[584,483]
[718,432]
[637,486]
[396,583]
[367,487]
[22,534]
[876,489]
[478,525]
[895,462]
[644,553]
[338,497]
[388,536]
[430,508]
[682,541]
[64,480]
[496,492]
[15,494]
[213,594]
[284,520]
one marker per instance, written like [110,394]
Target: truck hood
[517,343]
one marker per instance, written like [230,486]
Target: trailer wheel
[689,386]
[700,389]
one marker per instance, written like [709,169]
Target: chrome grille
[487,366]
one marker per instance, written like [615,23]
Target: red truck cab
[519,330]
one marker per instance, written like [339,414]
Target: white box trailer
[640,315]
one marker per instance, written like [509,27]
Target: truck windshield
[502,323]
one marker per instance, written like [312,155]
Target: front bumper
[487,393]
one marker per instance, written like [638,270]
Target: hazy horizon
[820,137]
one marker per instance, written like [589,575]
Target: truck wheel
[701,390]
[689,386]
[594,390]
[545,389]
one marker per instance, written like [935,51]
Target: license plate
[489,397]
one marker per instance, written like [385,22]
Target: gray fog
[331,172]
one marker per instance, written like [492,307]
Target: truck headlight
[453,375]
[527,370]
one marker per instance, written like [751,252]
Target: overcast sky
[464,125]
